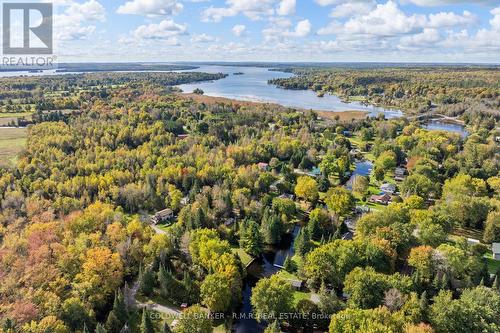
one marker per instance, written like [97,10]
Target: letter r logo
[27,32]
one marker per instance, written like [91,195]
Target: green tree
[340,201]
[216,292]
[250,238]
[274,327]
[194,319]
[302,243]
[307,188]
[360,185]
[146,322]
[492,228]
[271,228]
[271,297]
[100,329]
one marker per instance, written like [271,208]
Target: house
[286,196]
[384,199]
[399,173]
[162,216]
[472,241]
[315,171]
[362,209]
[182,136]
[495,247]
[263,166]
[388,188]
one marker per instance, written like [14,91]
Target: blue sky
[278,30]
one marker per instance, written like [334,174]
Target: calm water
[253,86]
[260,268]
[362,168]
[442,126]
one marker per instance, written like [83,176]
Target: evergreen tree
[288,265]
[85,329]
[165,328]
[119,307]
[424,304]
[146,323]
[8,326]
[496,283]
[302,243]
[274,327]
[147,281]
[100,329]
[271,228]
[113,324]
[250,238]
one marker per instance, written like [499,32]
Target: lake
[252,86]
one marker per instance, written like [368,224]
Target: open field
[12,141]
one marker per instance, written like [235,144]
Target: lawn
[245,258]
[300,295]
[14,114]
[12,141]
[493,265]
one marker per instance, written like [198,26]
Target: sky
[277,30]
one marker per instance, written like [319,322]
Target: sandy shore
[332,115]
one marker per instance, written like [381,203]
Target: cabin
[383,199]
[399,174]
[495,247]
[184,201]
[163,216]
[388,188]
[263,166]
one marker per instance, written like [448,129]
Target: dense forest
[143,210]
[448,90]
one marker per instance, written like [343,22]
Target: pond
[362,168]
[436,125]
[263,267]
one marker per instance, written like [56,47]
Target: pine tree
[85,329]
[274,327]
[271,228]
[8,326]
[288,265]
[146,323]
[119,307]
[147,281]
[100,329]
[424,304]
[166,328]
[113,324]
[250,238]
[496,283]
[302,243]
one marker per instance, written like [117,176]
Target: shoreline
[330,115]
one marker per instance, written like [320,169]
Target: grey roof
[495,247]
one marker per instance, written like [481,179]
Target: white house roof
[495,247]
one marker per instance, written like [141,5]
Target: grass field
[12,141]
[245,258]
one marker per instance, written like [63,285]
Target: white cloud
[428,37]
[385,20]
[164,30]
[281,28]
[352,8]
[254,10]
[203,38]
[239,30]
[286,7]
[331,29]
[302,29]
[431,3]
[73,23]
[442,20]
[151,7]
